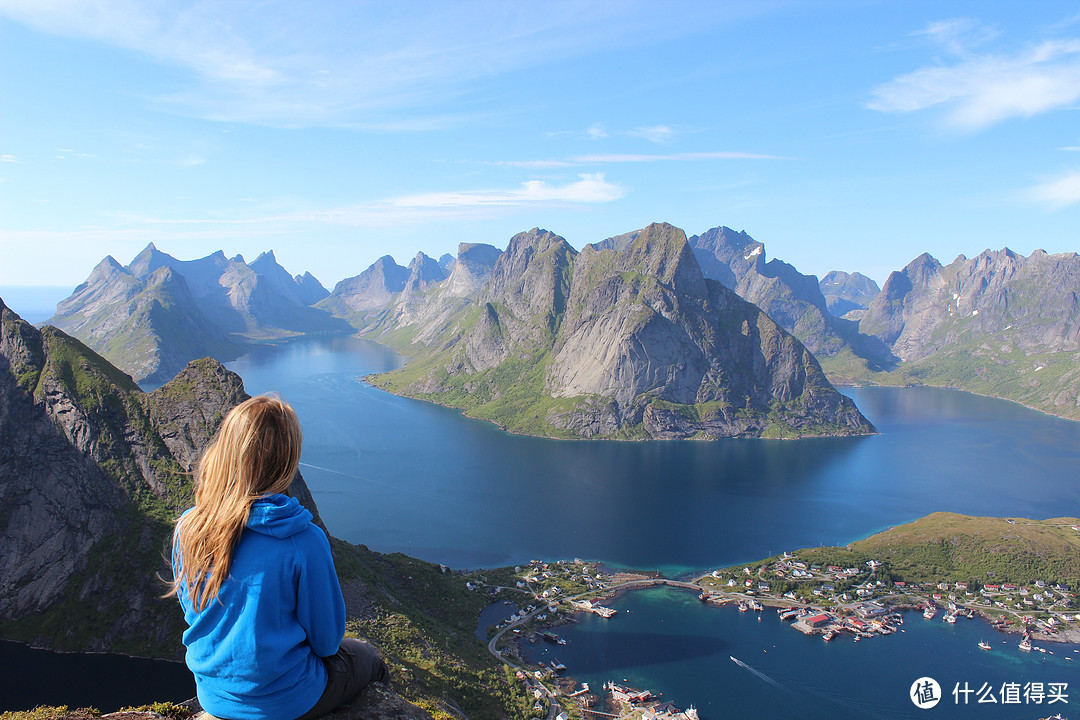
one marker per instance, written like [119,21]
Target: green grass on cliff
[980,549]
[422,618]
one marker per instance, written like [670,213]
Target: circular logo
[925,693]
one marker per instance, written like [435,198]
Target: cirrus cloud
[979,90]
[1058,193]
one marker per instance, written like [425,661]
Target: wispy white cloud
[636,158]
[589,188]
[979,90]
[597,132]
[653,133]
[10,159]
[364,65]
[1058,193]
[958,35]
[612,158]
[533,164]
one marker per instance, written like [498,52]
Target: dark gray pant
[351,669]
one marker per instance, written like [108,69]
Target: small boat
[984,645]
[829,636]
[742,607]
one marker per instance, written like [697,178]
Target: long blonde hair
[255,453]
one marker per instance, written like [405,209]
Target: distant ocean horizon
[34,303]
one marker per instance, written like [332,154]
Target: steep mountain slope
[630,341]
[150,326]
[91,469]
[157,314]
[998,323]
[795,301]
[92,473]
[370,290]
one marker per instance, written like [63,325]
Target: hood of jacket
[278,516]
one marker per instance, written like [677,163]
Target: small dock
[592,607]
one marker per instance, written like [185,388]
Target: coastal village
[818,598]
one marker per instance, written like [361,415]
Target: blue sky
[843,135]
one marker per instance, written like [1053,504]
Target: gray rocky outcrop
[795,301]
[92,469]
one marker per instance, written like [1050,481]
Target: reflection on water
[32,677]
[403,475]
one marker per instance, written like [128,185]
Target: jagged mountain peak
[109,265]
[530,276]
[309,289]
[149,260]
[662,250]
[423,272]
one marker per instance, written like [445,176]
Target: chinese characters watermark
[925,693]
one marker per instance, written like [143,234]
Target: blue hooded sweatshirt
[256,649]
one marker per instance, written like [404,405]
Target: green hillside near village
[950,548]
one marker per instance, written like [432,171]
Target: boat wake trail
[758,673]
[326,469]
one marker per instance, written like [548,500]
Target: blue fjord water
[402,475]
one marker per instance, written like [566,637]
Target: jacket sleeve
[320,608]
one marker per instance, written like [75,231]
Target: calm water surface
[404,475]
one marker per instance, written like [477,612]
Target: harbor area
[818,600]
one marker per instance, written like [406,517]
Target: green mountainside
[628,342]
[949,546]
